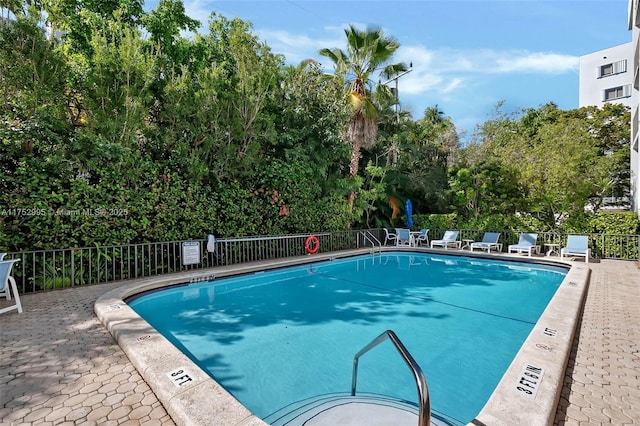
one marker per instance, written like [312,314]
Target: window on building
[612,68]
[617,92]
[606,70]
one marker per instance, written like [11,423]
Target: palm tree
[367,52]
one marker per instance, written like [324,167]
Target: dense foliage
[122,126]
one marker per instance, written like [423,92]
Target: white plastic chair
[423,237]
[389,237]
[8,284]
[404,237]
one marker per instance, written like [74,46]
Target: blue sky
[467,55]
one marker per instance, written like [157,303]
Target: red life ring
[311,249]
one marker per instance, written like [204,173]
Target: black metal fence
[43,270]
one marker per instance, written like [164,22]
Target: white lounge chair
[577,245]
[526,243]
[423,237]
[404,237]
[8,284]
[448,239]
[489,241]
[389,237]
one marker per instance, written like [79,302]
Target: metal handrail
[372,239]
[424,405]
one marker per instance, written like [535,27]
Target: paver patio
[59,365]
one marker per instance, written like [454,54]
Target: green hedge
[612,223]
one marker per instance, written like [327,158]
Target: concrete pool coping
[191,397]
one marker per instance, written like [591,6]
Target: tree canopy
[124,126]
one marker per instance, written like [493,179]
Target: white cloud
[200,10]
[448,71]
[453,85]
[488,61]
[537,62]
[297,47]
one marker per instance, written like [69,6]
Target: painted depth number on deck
[529,380]
[180,377]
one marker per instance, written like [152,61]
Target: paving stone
[114,399]
[616,416]
[16,415]
[94,399]
[140,412]
[576,414]
[130,423]
[78,413]
[119,413]
[158,413]
[633,412]
[152,423]
[90,388]
[58,414]
[76,400]
[132,399]
[129,386]
[108,388]
[38,414]
[86,423]
[99,413]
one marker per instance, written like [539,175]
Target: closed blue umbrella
[408,211]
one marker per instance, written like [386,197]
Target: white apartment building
[634,26]
[607,76]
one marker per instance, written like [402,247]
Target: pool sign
[529,380]
[551,332]
[190,252]
[180,377]
[543,347]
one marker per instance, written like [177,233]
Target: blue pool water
[273,338]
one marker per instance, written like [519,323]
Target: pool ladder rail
[424,405]
[365,409]
[369,237]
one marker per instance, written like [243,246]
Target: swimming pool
[462,318]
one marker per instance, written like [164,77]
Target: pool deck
[60,365]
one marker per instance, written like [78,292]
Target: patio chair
[526,243]
[448,239]
[577,245]
[3,293]
[8,284]
[489,241]
[404,237]
[389,237]
[423,237]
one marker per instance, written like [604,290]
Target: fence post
[73,268]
